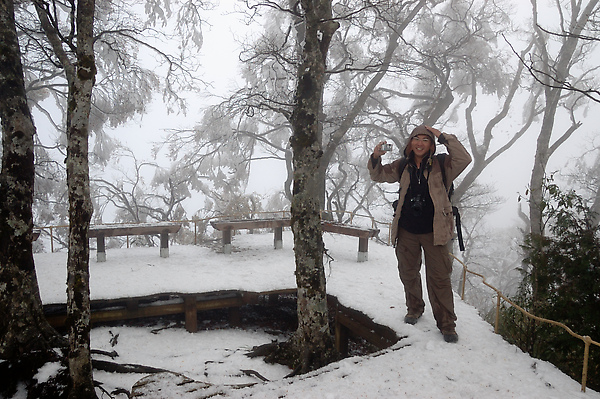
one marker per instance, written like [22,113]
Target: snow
[422,365]
[47,371]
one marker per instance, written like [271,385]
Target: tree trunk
[23,327]
[80,205]
[80,77]
[595,206]
[313,341]
[555,74]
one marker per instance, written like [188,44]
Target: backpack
[441,159]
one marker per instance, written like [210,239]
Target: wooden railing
[587,340]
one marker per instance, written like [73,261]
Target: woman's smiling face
[421,145]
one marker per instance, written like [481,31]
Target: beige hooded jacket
[455,163]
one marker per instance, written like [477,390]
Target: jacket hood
[421,129]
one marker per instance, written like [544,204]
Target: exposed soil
[274,315]
[277,317]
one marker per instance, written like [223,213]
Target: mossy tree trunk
[23,327]
[80,77]
[312,342]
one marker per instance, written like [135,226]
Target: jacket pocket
[448,219]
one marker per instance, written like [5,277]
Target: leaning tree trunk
[23,327]
[313,340]
[80,77]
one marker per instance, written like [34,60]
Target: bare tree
[574,17]
[259,114]
[420,66]
[24,331]
[585,84]
[312,341]
[311,346]
[126,79]
[134,200]
[77,60]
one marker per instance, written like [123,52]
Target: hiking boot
[451,337]
[411,319]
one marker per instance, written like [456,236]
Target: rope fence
[587,340]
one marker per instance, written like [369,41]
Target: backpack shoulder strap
[442,159]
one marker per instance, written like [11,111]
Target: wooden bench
[363,235]
[100,231]
[227,226]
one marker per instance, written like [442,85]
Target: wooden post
[195,232]
[464,282]
[100,249]
[227,241]
[586,355]
[497,324]
[341,337]
[164,244]
[278,239]
[191,313]
[363,249]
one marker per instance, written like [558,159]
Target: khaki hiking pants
[438,270]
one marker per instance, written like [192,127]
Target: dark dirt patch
[277,317]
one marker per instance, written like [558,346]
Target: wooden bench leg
[278,233]
[227,241]
[363,249]
[164,244]
[100,249]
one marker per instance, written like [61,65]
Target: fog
[509,174]
[221,70]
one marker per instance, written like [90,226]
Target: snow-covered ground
[480,365]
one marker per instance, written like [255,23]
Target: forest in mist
[181,131]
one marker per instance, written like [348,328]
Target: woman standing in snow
[423,220]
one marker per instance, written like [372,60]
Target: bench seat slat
[109,230]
